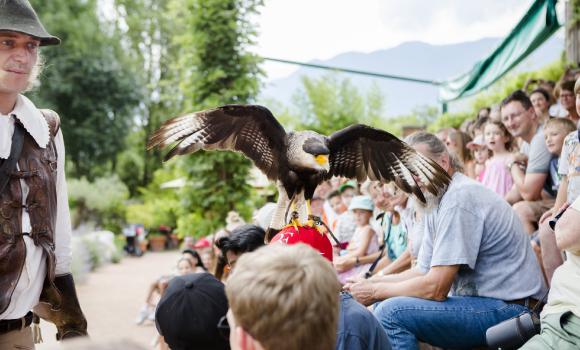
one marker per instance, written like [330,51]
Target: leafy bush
[93,248]
[101,201]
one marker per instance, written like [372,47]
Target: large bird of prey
[299,161]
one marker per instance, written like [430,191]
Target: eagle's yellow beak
[322,159]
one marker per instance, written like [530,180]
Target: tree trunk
[572,32]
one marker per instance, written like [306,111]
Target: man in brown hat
[35,231]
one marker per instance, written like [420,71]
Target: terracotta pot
[157,243]
[143,245]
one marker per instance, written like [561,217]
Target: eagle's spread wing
[249,129]
[362,152]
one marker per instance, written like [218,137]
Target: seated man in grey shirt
[475,267]
[531,194]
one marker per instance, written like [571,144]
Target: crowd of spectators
[407,274]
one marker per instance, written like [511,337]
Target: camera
[513,333]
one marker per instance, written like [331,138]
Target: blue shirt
[358,329]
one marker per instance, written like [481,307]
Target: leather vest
[37,168]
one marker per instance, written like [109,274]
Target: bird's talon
[295,223]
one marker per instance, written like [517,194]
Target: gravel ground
[112,297]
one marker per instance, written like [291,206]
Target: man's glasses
[513,115]
[224,327]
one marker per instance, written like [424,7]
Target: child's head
[347,191]
[193,256]
[456,143]
[478,126]
[184,266]
[479,150]
[497,137]
[335,202]
[555,131]
[362,207]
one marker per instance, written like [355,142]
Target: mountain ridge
[414,59]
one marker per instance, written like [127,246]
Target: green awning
[537,25]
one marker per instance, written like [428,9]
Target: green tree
[422,117]
[329,103]
[89,82]
[215,69]
[147,28]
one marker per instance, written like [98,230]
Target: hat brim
[360,208]
[471,146]
[50,41]
[44,40]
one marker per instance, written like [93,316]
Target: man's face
[18,56]
[444,162]
[517,119]
[566,99]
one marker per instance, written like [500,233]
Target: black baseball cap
[189,311]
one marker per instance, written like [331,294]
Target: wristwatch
[356,262]
[511,164]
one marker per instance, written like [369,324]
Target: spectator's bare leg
[551,255]
[526,215]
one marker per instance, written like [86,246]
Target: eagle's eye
[322,159]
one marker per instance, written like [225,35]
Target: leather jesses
[37,168]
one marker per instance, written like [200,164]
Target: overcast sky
[303,30]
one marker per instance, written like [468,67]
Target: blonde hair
[461,139]
[285,297]
[562,123]
[34,78]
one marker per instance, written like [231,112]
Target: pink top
[481,175]
[497,177]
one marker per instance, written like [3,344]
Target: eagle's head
[308,150]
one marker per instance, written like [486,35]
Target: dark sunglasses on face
[553,222]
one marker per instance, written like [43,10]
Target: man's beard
[431,202]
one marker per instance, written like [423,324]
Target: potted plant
[157,241]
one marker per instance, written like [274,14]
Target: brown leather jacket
[37,167]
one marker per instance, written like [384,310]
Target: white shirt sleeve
[62,234]
[563,163]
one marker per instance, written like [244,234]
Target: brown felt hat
[18,16]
